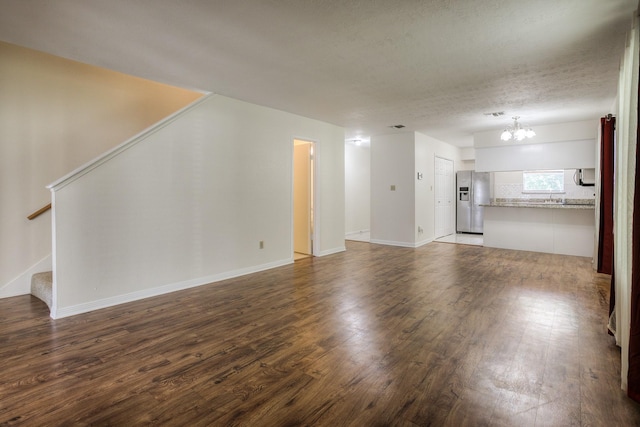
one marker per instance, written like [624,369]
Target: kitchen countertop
[542,203]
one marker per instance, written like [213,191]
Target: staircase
[42,287]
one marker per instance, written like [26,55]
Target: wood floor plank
[444,334]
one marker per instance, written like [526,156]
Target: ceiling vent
[495,114]
[397,126]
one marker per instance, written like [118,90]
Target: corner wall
[395,160]
[427,148]
[393,210]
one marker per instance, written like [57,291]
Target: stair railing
[39,212]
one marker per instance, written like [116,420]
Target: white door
[444,196]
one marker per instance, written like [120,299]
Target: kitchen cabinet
[556,229]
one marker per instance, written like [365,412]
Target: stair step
[42,287]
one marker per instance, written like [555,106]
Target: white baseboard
[331,251]
[392,243]
[21,285]
[401,244]
[355,233]
[423,242]
[58,313]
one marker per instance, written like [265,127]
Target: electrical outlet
[393,188]
[261,244]
[420,230]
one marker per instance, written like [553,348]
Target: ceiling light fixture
[516,131]
[358,141]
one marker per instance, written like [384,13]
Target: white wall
[329,208]
[468,153]
[357,166]
[558,146]
[424,192]
[393,212]
[55,115]
[427,148]
[467,165]
[397,158]
[189,204]
[467,159]
[553,155]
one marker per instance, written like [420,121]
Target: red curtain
[605,238]
[633,377]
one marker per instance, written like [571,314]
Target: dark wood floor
[446,334]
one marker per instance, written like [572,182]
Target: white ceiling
[434,66]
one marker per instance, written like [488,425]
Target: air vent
[397,126]
[495,114]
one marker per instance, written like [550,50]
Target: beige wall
[56,115]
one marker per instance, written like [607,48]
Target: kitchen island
[541,225]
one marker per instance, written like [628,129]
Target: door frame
[314,193]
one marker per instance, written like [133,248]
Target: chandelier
[516,131]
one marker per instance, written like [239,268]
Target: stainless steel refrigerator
[473,189]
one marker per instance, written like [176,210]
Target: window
[551,181]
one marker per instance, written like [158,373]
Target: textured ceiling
[434,66]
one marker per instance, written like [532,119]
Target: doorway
[444,195]
[303,198]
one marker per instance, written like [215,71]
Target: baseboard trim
[401,244]
[331,251]
[423,242]
[21,285]
[356,233]
[392,243]
[58,313]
